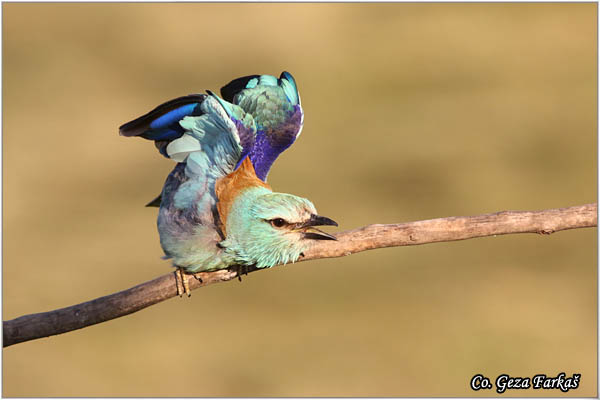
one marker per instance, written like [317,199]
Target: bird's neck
[230,187]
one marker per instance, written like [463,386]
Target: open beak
[310,232]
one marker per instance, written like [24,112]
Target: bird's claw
[242,270]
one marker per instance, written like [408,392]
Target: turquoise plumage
[275,105]
[215,211]
[252,237]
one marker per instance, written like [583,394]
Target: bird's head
[266,228]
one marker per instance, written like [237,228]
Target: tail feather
[155,202]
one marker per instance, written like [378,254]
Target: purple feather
[270,143]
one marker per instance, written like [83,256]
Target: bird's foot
[242,270]
[181,280]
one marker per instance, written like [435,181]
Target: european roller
[216,208]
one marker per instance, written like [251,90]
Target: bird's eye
[277,222]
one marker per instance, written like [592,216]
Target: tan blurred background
[412,112]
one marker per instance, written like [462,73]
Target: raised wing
[208,148]
[163,124]
[275,105]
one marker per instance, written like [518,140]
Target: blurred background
[413,111]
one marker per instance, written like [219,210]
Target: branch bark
[35,326]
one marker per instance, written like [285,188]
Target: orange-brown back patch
[228,188]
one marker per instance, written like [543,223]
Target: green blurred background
[413,111]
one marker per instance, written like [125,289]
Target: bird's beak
[310,232]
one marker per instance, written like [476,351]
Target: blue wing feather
[174,116]
[162,123]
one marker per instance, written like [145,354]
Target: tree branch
[35,326]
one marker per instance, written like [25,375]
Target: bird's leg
[186,284]
[181,279]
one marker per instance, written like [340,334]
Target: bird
[216,210]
